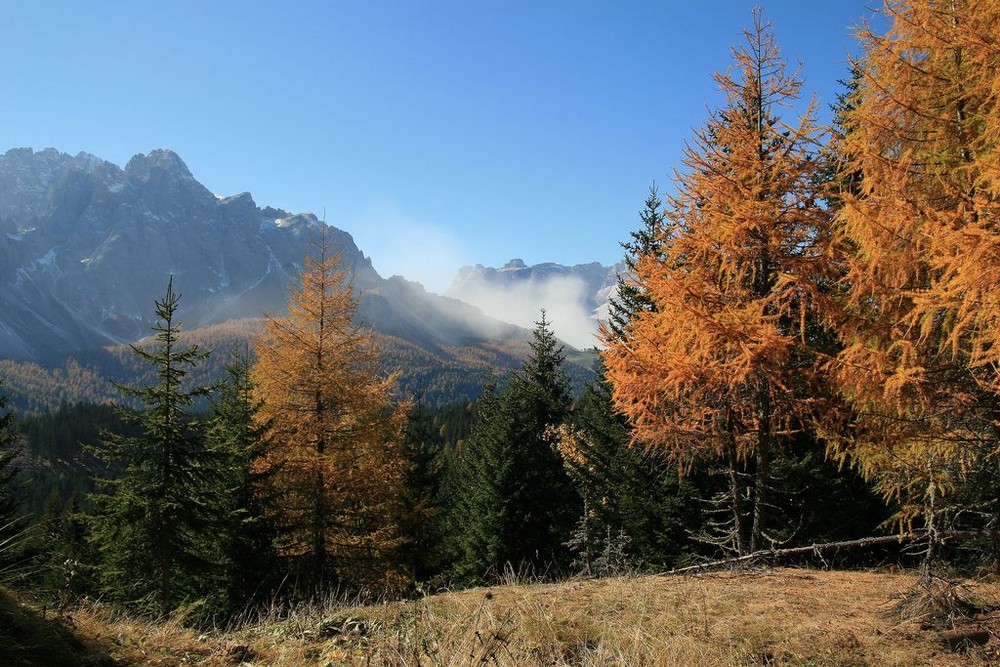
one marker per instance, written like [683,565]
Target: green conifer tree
[66,556]
[638,512]
[156,524]
[12,521]
[239,437]
[515,502]
[633,499]
[423,529]
[647,240]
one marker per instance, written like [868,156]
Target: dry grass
[773,617]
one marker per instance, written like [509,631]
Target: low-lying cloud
[564,298]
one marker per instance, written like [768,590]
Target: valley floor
[753,617]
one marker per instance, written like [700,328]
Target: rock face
[575,298]
[86,247]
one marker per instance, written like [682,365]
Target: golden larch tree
[922,284]
[722,365]
[335,468]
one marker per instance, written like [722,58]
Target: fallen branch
[774,554]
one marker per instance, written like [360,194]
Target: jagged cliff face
[86,247]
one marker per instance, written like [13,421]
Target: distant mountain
[86,247]
[575,298]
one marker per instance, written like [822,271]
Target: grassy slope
[778,617]
[27,639]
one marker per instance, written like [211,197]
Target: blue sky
[438,133]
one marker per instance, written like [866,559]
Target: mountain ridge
[86,247]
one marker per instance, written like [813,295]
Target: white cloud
[430,254]
[520,303]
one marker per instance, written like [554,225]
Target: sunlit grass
[766,617]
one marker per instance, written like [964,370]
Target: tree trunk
[763,465]
[772,554]
[736,491]
[760,499]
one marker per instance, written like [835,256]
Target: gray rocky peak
[86,247]
[141,166]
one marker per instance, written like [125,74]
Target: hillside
[86,247]
[437,374]
[761,617]
[30,637]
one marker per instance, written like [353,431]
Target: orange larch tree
[921,358]
[336,460]
[722,366]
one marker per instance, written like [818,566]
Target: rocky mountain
[575,298]
[87,246]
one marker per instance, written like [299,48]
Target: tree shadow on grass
[28,640]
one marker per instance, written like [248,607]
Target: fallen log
[962,639]
[775,554]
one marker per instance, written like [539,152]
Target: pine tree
[423,526]
[515,504]
[12,519]
[631,298]
[921,329]
[336,466]
[631,494]
[721,367]
[239,437]
[156,521]
[638,512]
[68,554]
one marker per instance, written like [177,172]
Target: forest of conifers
[804,349]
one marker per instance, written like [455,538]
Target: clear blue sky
[454,131]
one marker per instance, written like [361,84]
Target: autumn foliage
[722,365]
[922,306]
[810,316]
[336,463]
[855,300]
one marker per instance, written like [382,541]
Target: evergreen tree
[638,511]
[632,495]
[423,528]
[69,556]
[155,524]
[631,298]
[239,437]
[515,504]
[12,521]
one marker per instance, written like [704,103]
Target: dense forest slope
[432,373]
